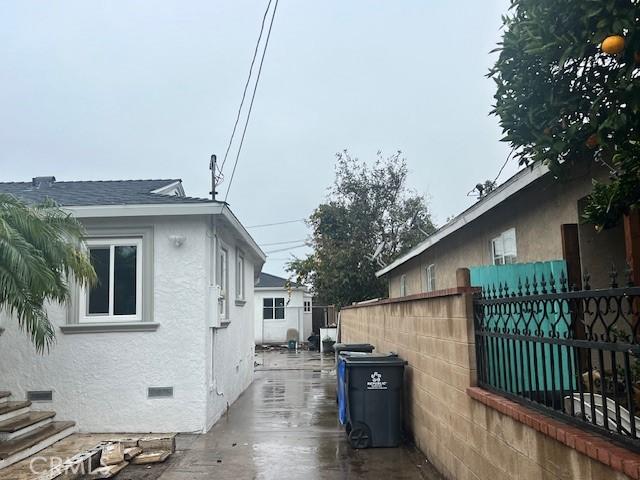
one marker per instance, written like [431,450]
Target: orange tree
[568,91]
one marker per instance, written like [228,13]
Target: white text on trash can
[376,382]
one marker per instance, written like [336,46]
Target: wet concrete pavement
[285,427]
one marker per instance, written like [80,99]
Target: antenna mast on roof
[216,175]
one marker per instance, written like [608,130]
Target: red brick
[630,468]
[592,445]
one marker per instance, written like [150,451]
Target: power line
[253,97]
[286,249]
[246,86]
[499,171]
[277,223]
[281,243]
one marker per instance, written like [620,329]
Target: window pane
[280,302]
[267,313]
[498,247]
[509,242]
[124,280]
[99,293]
[267,302]
[279,313]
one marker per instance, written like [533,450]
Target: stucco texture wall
[230,361]
[462,437]
[536,213]
[100,380]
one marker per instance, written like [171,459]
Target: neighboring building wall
[599,251]
[463,438]
[100,380]
[275,330]
[536,213]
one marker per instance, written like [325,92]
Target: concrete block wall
[462,437]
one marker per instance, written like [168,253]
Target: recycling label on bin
[376,382]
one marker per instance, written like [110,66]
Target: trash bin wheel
[359,436]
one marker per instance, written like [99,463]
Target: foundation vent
[40,396]
[160,392]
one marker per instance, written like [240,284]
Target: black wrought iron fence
[574,354]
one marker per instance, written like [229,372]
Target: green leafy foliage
[40,251]
[561,100]
[368,208]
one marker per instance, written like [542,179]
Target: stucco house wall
[536,213]
[275,330]
[230,350]
[100,380]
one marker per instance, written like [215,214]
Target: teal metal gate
[513,280]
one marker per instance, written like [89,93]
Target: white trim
[512,186]
[111,243]
[177,185]
[167,209]
[145,210]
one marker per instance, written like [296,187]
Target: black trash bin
[314,342]
[352,347]
[374,400]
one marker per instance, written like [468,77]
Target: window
[503,248]
[117,294]
[223,280]
[239,275]
[307,306]
[403,285]
[431,277]
[273,308]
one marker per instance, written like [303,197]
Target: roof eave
[168,209]
[502,193]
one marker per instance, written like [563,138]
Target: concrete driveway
[285,426]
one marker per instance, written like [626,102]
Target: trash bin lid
[353,347]
[368,359]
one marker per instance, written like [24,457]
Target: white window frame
[273,309]
[223,280]
[507,241]
[403,285]
[240,284]
[306,305]
[83,303]
[430,273]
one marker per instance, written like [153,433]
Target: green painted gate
[537,366]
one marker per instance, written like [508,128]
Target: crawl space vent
[40,395]
[160,392]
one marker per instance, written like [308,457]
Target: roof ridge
[105,181]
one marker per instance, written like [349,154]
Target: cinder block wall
[463,438]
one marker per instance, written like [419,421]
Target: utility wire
[253,97]
[277,223]
[281,243]
[286,249]
[246,86]
[499,172]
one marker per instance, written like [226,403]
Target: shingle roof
[107,192]
[267,280]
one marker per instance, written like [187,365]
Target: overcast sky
[149,89]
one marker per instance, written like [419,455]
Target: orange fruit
[592,141]
[613,44]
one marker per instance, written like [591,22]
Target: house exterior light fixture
[177,240]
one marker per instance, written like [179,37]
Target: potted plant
[327,344]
